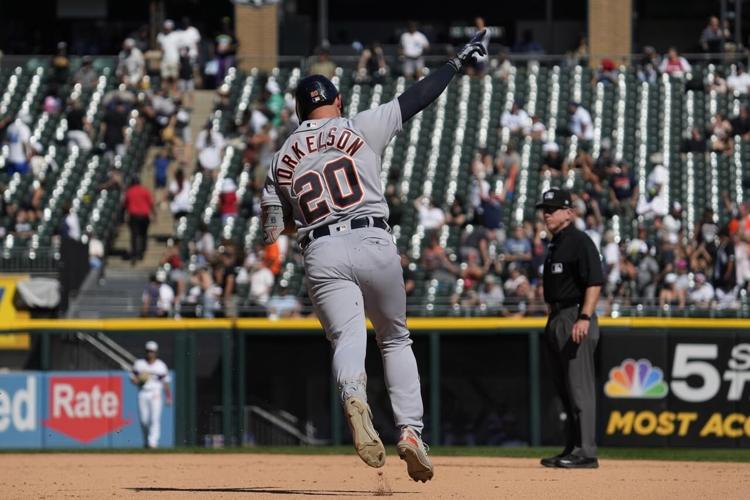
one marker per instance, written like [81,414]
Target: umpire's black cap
[555,198]
[312,92]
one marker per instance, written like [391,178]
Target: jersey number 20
[339,179]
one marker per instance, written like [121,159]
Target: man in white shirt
[261,282]
[152,377]
[739,82]
[170,42]
[702,293]
[131,65]
[517,119]
[413,45]
[655,202]
[430,217]
[18,136]
[191,37]
[580,122]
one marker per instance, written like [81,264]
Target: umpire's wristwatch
[584,317]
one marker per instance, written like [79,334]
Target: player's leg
[144,414]
[381,280]
[339,306]
[155,431]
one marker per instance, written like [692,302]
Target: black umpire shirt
[572,265]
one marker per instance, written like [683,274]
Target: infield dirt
[291,476]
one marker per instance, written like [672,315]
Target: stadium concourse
[657,162]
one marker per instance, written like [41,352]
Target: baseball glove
[142,378]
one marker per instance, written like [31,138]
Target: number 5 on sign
[688,361]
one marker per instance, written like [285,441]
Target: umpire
[572,282]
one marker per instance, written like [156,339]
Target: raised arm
[423,93]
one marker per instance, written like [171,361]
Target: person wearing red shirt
[139,204]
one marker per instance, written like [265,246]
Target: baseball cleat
[413,451]
[366,440]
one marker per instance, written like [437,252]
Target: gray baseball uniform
[327,173]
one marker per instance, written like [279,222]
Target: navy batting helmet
[312,92]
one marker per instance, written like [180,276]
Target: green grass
[681,454]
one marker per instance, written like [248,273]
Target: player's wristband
[584,317]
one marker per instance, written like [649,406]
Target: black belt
[556,307]
[329,229]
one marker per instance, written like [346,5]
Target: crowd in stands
[497,265]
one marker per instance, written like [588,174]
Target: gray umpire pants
[350,274]
[574,377]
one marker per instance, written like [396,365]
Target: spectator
[655,201]
[191,37]
[701,293]
[169,41]
[179,195]
[646,278]
[113,128]
[724,271]
[696,143]
[18,139]
[323,64]
[623,190]
[674,64]
[185,84]
[607,72]
[648,66]
[437,265]
[672,223]
[261,281]
[740,124]
[538,129]
[740,81]
[139,205]
[372,67]
[491,295]
[431,218]
[60,65]
[516,119]
[283,305]
[210,146]
[501,65]
[79,126]
[226,48]
[158,297]
[527,44]
[413,45]
[131,66]
[552,162]
[579,55]
[517,248]
[611,258]
[670,295]
[23,227]
[456,215]
[86,74]
[409,275]
[70,227]
[721,133]
[228,199]
[52,104]
[713,36]
[161,166]
[579,122]
[204,245]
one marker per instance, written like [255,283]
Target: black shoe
[552,461]
[577,462]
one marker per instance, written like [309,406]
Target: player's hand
[580,330]
[472,51]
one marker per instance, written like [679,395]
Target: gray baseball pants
[575,378]
[350,274]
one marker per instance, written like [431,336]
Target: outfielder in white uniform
[152,377]
[326,177]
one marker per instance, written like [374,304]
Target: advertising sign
[74,409]
[676,389]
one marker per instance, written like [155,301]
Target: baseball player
[151,376]
[325,183]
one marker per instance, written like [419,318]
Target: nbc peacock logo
[636,379]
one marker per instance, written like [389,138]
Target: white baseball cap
[152,346]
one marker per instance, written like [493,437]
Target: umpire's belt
[359,223]
[556,307]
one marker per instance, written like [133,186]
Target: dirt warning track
[143,476]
